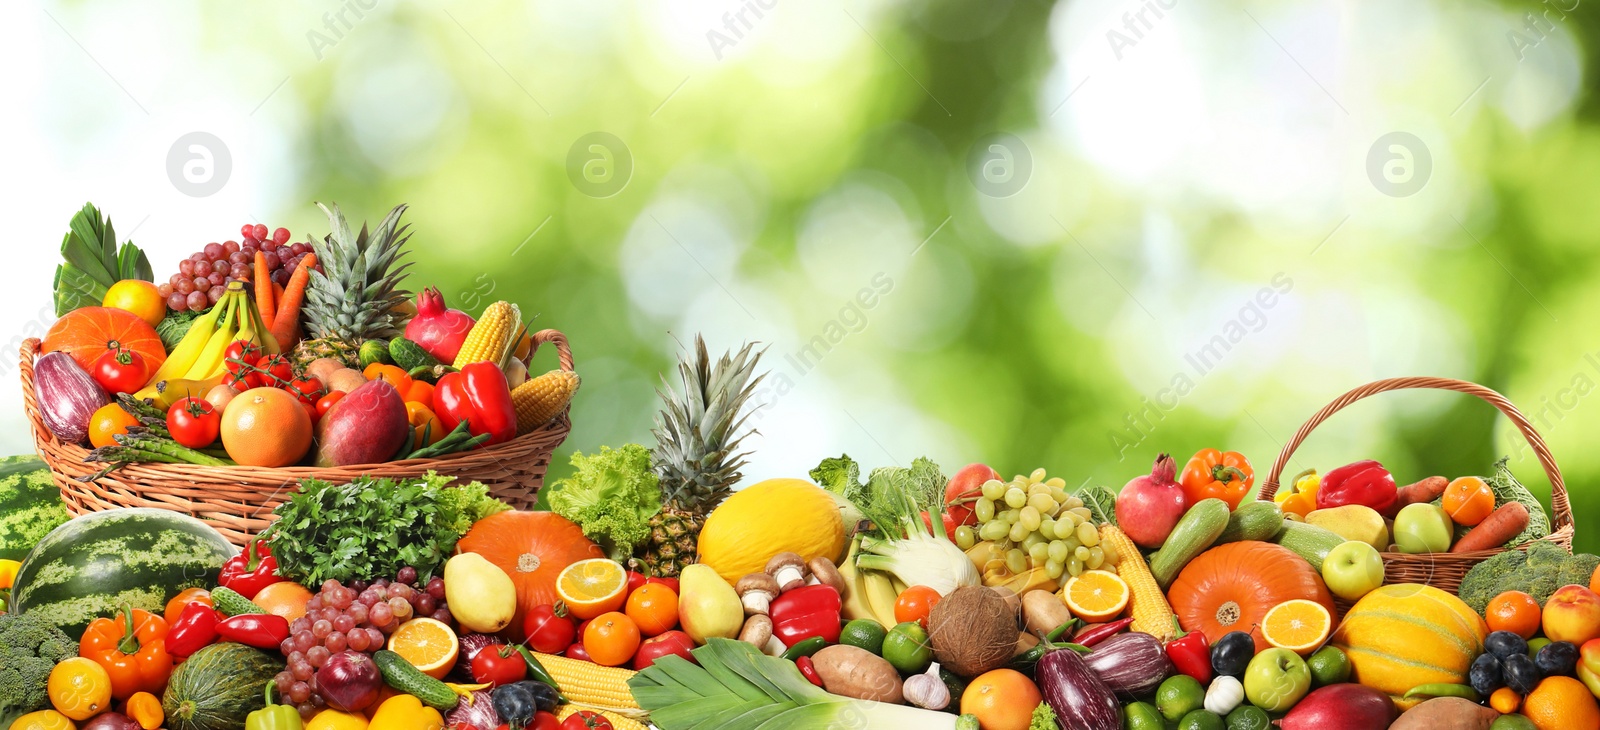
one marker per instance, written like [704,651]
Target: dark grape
[406,575]
[443,616]
[301,249]
[436,588]
[260,232]
[238,257]
[280,236]
[249,250]
[273,260]
[425,604]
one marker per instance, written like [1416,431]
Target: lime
[1142,716]
[907,649]
[1248,717]
[1328,666]
[1200,720]
[1179,695]
[863,633]
[1512,722]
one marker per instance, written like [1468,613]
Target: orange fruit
[428,644]
[1561,703]
[1467,500]
[79,688]
[1505,700]
[1594,581]
[175,607]
[107,422]
[284,598]
[1096,595]
[592,587]
[654,607]
[1514,611]
[1002,699]
[266,427]
[611,639]
[1297,625]
[139,297]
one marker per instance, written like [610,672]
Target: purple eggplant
[1131,664]
[1075,692]
[68,396]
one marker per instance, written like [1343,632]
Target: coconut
[973,630]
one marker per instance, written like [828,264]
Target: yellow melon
[1400,636]
[768,518]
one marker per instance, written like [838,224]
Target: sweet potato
[855,672]
[1446,713]
[1426,490]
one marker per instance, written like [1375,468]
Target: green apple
[1276,679]
[1423,528]
[1353,522]
[1352,570]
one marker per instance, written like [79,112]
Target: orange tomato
[184,598]
[391,373]
[79,688]
[1468,500]
[915,604]
[1514,611]
[612,638]
[654,608]
[1002,699]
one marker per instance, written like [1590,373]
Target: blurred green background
[1093,231]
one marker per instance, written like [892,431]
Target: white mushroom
[823,572]
[758,631]
[789,569]
[756,592]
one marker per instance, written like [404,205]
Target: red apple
[1572,614]
[964,489]
[1149,506]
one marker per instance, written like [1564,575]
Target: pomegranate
[437,329]
[964,489]
[1148,507]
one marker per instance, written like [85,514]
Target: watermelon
[30,505]
[94,564]
[217,687]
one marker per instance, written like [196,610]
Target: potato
[855,672]
[1446,713]
[1043,611]
[322,367]
[345,380]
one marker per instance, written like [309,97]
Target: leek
[909,550]
[736,687]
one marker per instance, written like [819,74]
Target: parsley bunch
[371,528]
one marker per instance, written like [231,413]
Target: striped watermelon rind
[30,505]
[96,563]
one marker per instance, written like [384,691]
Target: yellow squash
[768,518]
[1400,636]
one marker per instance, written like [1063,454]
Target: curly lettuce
[612,494]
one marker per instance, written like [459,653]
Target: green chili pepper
[805,648]
[1444,689]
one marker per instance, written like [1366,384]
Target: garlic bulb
[927,690]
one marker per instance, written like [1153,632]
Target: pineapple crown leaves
[698,430]
[360,282]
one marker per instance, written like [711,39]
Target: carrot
[294,295]
[1426,490]
[263,284]
[277,294]
[1495,530]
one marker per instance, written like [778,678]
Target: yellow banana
[855,594]
[167,392]
[898,585]
[880,595]
[210,361]
[188,350]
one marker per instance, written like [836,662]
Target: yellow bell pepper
[406,712]
[8,572]
[1301,497]
[336,720]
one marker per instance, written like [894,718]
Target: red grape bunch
[204,276]
[355,617]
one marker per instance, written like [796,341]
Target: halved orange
[1298,625]
[1096,595]
[428,644]
[592,587]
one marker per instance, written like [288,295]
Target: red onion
[349,681]
[111,721]
[476,712]
[438,330]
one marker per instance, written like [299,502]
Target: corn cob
[543,398]
[490,339]
[1151,612]
[620,722]
[592,685]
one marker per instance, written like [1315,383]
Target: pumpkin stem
[527,563]
[1228,613]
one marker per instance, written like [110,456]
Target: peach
[1572,614]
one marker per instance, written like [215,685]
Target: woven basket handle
[563,348]
[1558,487]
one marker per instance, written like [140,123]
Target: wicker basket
[238,500]
[1441,570]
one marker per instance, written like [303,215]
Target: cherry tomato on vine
[326,402]
[307,389]
[586,720]
[194,422]
[119,370]
[548,630]
[498,664]
[276,371]
[915,604]
[241,357]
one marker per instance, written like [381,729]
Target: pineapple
[354,299]
[697,433]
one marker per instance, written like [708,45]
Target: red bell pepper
[250,571]
[1364,482]
[1191,655]
[802,613]
[195,629]
[260,630]
[481,396]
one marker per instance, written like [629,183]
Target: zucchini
[1308,541]
[231,603]
[401,675]
[410,355]
[1259,521]
[1196,531]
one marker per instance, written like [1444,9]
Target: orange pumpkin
[532,548]
[1232,587]
[86,334]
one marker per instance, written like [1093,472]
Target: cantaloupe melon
[767,518]
[1400,636]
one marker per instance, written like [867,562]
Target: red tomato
[655,647]
[543,721]
[307,389]
[120,371]
[547,630]
[498,664]
[576,651]
[241,357]
[964,489]
[194,422]
[276,370]
[635,579]
[915,604]
[244,381]
[586,720]
[949,525]
[668,582]
[326,402]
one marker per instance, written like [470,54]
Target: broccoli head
[1539,572]
[30,646]
[612,495]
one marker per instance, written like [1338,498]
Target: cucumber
[1196,531]
[1259,521]
[410,355]
[401,675]
[1308,541]
[230,602]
